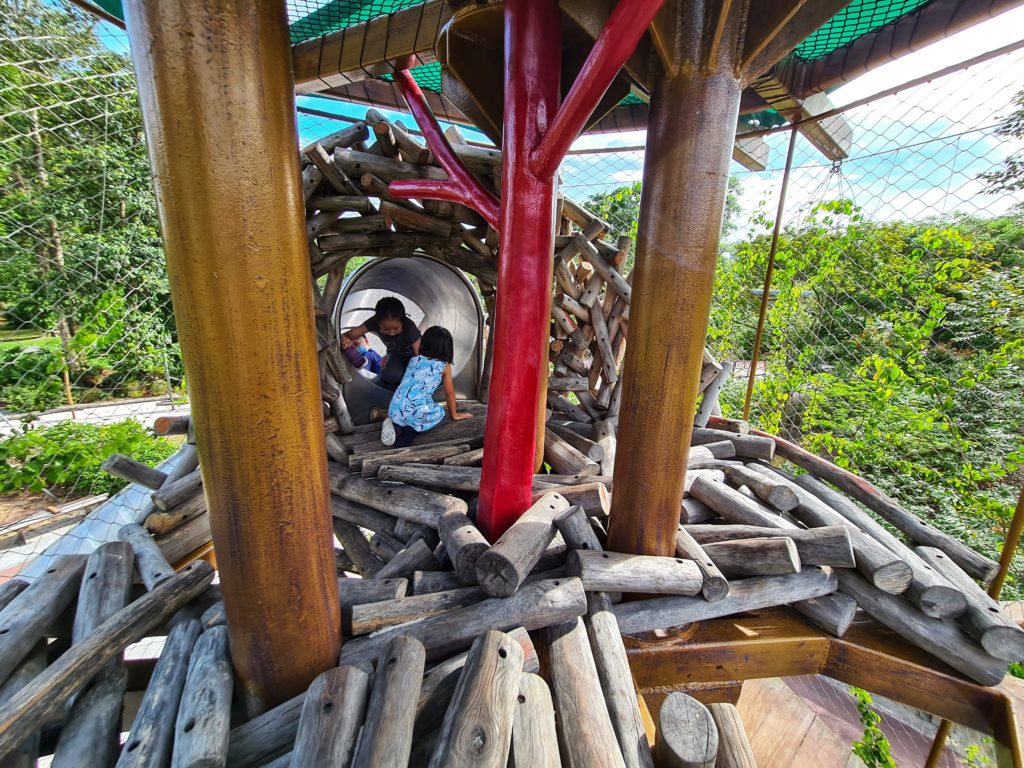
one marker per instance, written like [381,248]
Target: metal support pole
[690,134]
[217,102]
[769,271]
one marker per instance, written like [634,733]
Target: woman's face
[390,327]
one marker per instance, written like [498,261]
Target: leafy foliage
[873,748]
[68,456]
[1010,177]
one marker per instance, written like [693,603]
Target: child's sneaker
[387,432]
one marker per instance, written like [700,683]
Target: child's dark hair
[389,308]
[437,344]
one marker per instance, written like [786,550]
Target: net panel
[858,18]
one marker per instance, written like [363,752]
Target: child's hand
[346,342]
[461,416]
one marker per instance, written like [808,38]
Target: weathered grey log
[160,522]
[150,562]
[362,515]
[119,465]
[90,733]
[816,546]
[429,582]
[716,586]
[170,494]
[417,556]
[533,606]
[886,570]
[560,404]
[72,671]
[692,474]
[710,452]
[152,732]
[370,617]
[571,480]
[976,565]
[564,458]
[604,435]
[332,714]
[10,590]
[426,454]
[692,511]
[943,639]
[687,735]
[477,729]
[353,592]
[386,740]
[357,547]
[983,619]
[472,458]
[568,384]
[586,735]
[593,497]
[709,405]
[744,558]
[772,492]
[734,506]
[404,501]
[24,620]
[748,446]
[203,725]
[346,137]
[354,203]
[929,590]
[184,539]
[464,544]
[584,445]
[356,164]
[615,281]
[267,736]
[734,749]
[744,595]
[385,546]
[834,613]
[214,616]
[501,569]
[616,572]
[24,754]
[534,739]
[106,586]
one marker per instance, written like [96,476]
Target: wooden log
[90,733]
[716,586]
[687,735]
[745,558]
[24,754]
[346,137]
[159,523]
[815,546]
[501,569]
[734,749]
[477,729]
[834,613]
[744,595]
[150,562]
[385,143]
[425,454]
[72,671]
[170,494]
[401,216]
[357,547]
[983,619]
[311,178]
[474,458]
[106,586]
[429,582]
[616,572]
[171,425]
[560,404]
[585,731]
[464,544]
[572,480]
[976,565]
[404,501]
[700,455]
[356,224]
[386,546]
[943,639]
[609,274]
[564,458]
[593,497]
[366,618]
[331,716]
[749,446]
[603,342]
[204,716]
[353,592]
[386,739]
[604,435]
[584,445]
[362,515]
[929,590]
[10,590]
[692,511]
[534,740]
[533,606]
[709,396]
[574,307]
[25,619]
[772,492]
[417,556]
[733,506]
[133,471]
[885,569]
[387,169]
[354,203]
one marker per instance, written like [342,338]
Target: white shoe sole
[387,432]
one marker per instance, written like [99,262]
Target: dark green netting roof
[858,18]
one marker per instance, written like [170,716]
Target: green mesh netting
[855,20]
[309,18]
[428,76]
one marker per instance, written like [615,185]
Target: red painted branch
[462,186]
[613,46]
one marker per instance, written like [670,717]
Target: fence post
[217,102]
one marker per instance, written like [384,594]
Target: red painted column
[533,49]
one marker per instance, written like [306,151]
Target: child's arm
[353,355]
[355,333]
[449,395]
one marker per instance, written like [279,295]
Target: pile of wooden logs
[350,213]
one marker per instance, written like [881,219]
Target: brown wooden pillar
[692,125]
[217,101]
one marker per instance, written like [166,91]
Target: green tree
[1010,177]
